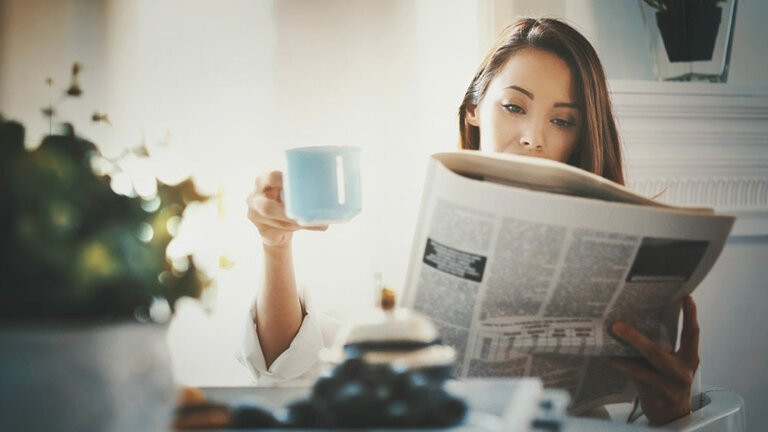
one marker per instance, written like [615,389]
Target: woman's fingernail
[618,327]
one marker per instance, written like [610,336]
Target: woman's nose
[529,144]
[532,140]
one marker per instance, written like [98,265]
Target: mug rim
[327,148]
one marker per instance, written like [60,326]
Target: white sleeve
[300,360]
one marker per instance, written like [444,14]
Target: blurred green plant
[70,246]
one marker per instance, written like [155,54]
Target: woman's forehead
[543,74]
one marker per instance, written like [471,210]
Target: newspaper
[524,263]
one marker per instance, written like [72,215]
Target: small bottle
[387,302]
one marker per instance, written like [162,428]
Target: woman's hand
[663,379]
[267,211]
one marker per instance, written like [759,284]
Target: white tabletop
[487,398]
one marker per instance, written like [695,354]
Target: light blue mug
[322,184]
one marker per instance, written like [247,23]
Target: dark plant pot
[689,33]
[64,376]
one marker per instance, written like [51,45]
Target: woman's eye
[513,108]
[562,123]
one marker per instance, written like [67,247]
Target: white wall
[388,77]
[235,84]
[40,39]
[733,304]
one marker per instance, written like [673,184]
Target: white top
[301,360]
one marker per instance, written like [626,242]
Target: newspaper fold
[523,264]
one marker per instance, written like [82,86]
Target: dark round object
[348,390]
[350,368]
[357,394]
[397,412]
[358,348]
[304,413]
[546,424]
[251,416]
[380,391]
[325,387]
[359,410]
[546,404]
[406,383]
[449,412]
[437,375]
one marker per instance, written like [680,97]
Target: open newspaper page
[526,283]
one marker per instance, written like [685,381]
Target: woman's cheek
[500,137]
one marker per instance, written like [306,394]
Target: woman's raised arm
[278,310]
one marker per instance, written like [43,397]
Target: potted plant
[690,39]
[86,288]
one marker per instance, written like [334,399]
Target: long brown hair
[598,149]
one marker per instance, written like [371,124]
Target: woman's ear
[472,118]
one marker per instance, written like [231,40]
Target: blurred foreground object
[86,288]
[73,248]
[389,370]
[85,377]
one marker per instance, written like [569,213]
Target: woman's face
[529,108]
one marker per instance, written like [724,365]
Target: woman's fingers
[273,179]
[642,374]
[271,213]
[689,336]
[260,221]
[266,208]
[663,378]
[648,348]
[663,361]
[271,185]
[269,209]
[316,228]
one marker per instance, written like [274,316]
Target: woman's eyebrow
[522,90]
[530,96]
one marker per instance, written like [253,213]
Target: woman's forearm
[278,310]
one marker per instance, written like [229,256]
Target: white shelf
[706,144]
[686,88]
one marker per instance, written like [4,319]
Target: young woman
[541,91]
